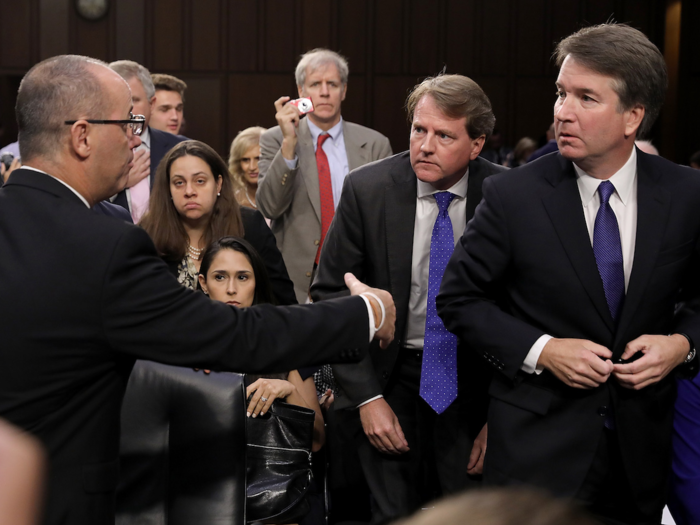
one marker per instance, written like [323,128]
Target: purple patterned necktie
[438,379]
[607,249]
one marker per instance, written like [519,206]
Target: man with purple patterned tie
[421,402]
[567,281]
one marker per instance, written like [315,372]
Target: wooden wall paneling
[8,96]
[353,33]
[355,103]
[316,17]
[534,107]
[53,27]
[130,32]
[389,115]
[565,18]
[280,36]
[167,30]
[92,38]
[203,112]
[639,15]
[497,90]
[205,35]
[461,37]
[17,35]
[424,37]
[242,35]
[530,50]
[251,100]
[601,11]
[690,52]
[388,39]
[494,37]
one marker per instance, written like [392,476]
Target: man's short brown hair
[457,96]
[627,56]
[169,83]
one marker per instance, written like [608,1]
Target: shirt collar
[146,137]
[83,199]
[335,132]
[623,181]
[425,189]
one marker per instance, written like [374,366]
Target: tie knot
[443,199]
[605,189]
[322,138]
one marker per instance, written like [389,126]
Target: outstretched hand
[385,334]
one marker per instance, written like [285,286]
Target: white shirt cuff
[292,164]
[529,366]
[369,400]
[370,313]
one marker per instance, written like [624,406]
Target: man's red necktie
[326,190]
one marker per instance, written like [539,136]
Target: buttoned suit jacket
[83,296]
[161,143]
[525,267]
[372,237]
[291,198]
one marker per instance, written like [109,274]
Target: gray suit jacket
[291,198]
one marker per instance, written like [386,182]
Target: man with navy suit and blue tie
[577,281]
[417,406]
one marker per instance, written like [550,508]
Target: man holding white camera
[305,160]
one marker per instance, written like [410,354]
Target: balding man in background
[84,295]
[154,143]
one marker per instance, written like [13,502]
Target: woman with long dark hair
[193,203]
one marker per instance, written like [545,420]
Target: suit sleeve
[472,285]
[343,251]
[260,236]
[147,314]
[276,182]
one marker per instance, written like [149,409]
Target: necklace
[193,253]
[250,201]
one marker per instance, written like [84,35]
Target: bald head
[61,88]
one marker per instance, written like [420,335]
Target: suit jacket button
[603,411]
[308,274]
[317,242]
[385,374]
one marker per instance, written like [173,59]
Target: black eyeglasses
[136,122]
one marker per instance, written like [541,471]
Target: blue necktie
[438,379]
[607,249]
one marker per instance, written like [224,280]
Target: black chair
[183,447]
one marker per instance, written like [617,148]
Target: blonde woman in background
[243,164]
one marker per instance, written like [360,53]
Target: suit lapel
[564,208]
[354,147]
[400,213]
[653,206]
[307,165]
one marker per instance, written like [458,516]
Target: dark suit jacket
[259,235]
[83,296]
[372,237]
[161,143]
[525,267]
[112,210]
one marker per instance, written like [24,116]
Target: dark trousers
[606,490]
[436,463]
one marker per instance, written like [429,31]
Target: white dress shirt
[334,149]
[426,213]
[624,203]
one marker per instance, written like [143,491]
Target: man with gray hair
[84,295]
[303,162]
[154,143]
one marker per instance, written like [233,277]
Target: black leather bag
[278,456]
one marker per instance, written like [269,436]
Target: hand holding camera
[288,114]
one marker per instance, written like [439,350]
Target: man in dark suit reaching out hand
[83,294]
